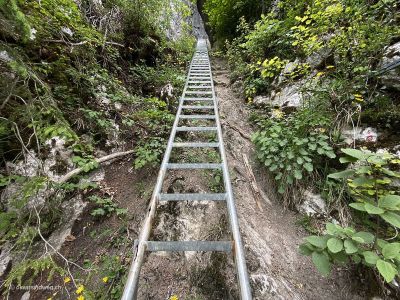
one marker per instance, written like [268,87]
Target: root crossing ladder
[199,88]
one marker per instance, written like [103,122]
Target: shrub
[292,148]
[370,183]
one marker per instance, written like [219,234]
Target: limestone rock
[313,204]
[391,79]
[360,134]
[72,211]
[316,59]
[288,97]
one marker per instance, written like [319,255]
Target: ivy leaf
[322,263]
[335,245]
[390,251]
[350,247]
[318,241]
[373,210]
[370,257]
[392,218]
[386,269]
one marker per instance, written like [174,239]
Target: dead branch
[81,43]
[258,195]
[100,160]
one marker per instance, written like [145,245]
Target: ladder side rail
[131,287]
[240,261]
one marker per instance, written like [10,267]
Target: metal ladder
[199,87]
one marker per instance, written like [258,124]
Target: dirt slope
[271,236]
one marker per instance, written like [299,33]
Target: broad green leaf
[356,258]
[309,167]
[318,241]
[347,159]
[381,243]
[330,154]
[335,245]
[281,189]
[322,263]
[373,210]
[297,174]
[392,218]
[354,153]
[363,181]
[331,228]
[390,251]
[350,247]
[370,257]
[358,206]
[386,269]
[367,237]
[305,250]
[390,202]
[289,179]
[342,174]
[340,257]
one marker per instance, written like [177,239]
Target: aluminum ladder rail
[199,87]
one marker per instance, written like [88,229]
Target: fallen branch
[100,160]
[81,43]
[258,195]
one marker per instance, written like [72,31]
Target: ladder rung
[192,87]
[193,197]
[206,166]
[199,92]
[192,76]
[209,117]
[197,107]
[178,246]
[198,99]
[196,129]
[195,81]
[195,145]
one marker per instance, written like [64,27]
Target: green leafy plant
[293,147]
[149,153]
[34,267]
[105,207]
[272,67]
[370,183]
[86,163]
